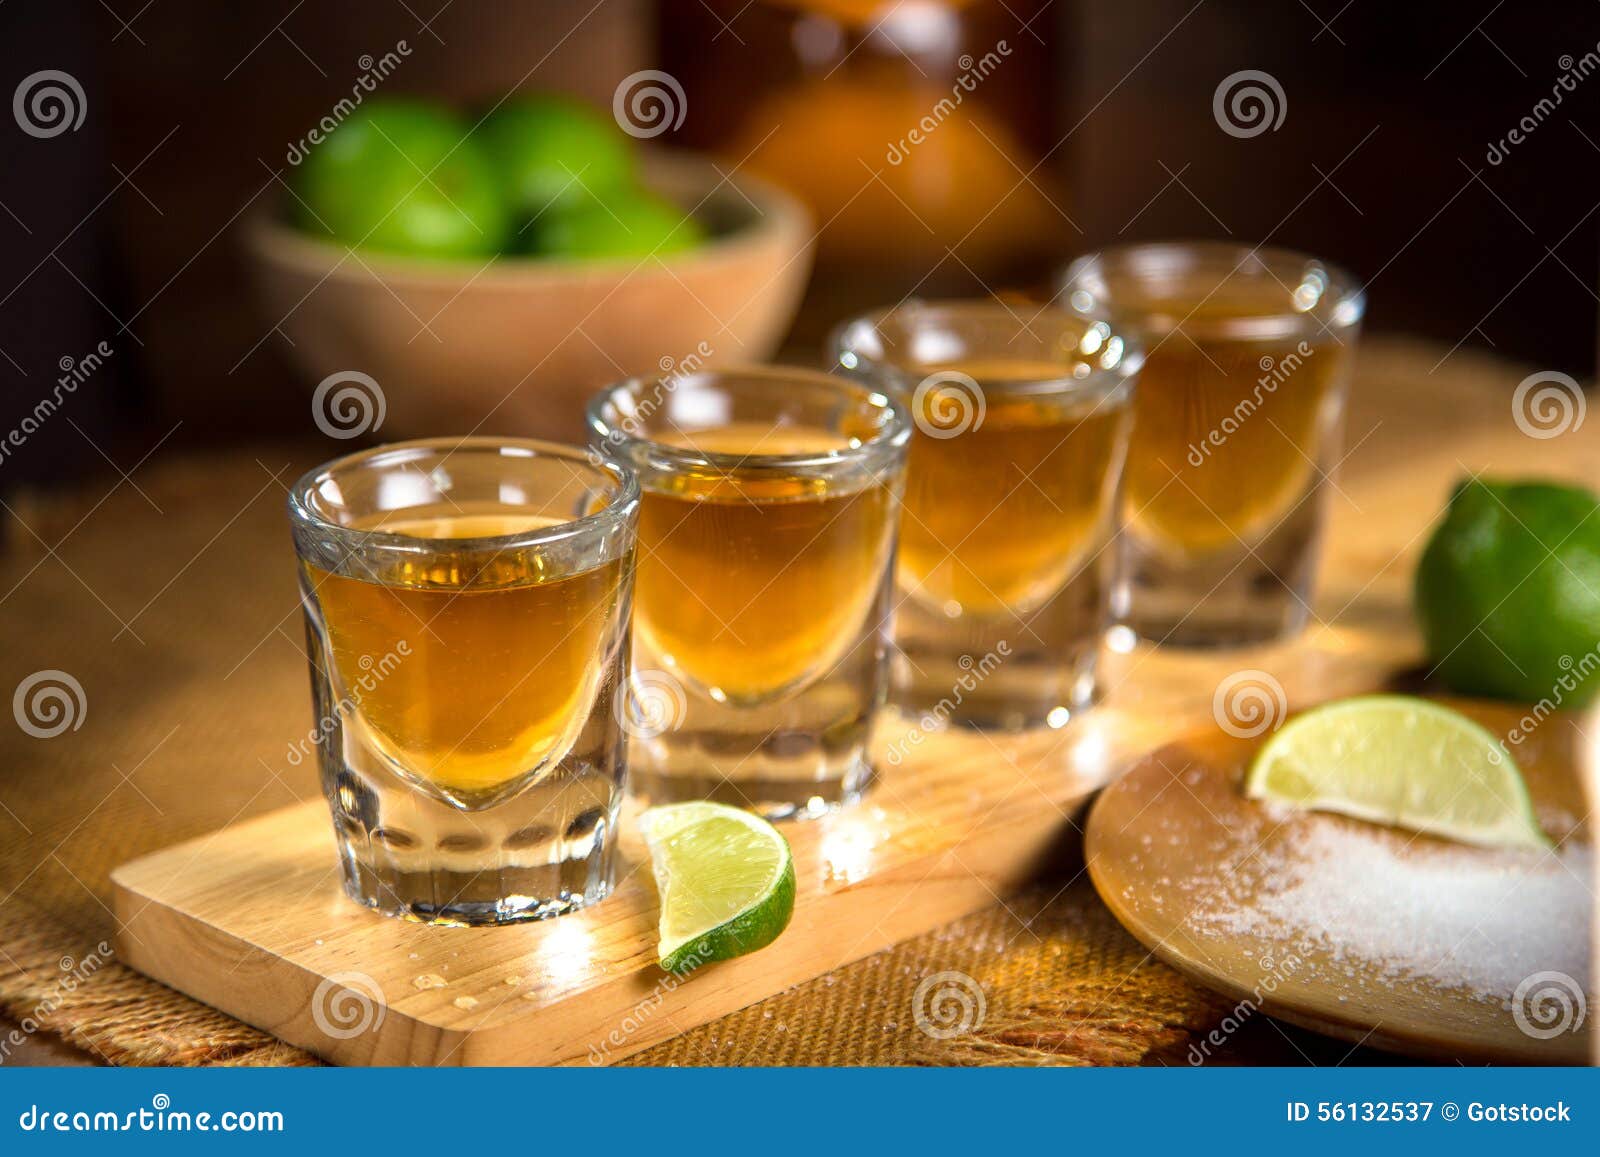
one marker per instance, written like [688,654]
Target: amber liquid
[1226,430]
[753,581]
[501,657]
[1000,515]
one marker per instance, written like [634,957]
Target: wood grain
[251,919]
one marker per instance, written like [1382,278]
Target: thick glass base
[1030,689]
[1244,596]
[545,851]
[1009,671]
[467,899]
[780,775]
[799,755]
[1215,632]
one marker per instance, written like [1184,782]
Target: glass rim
[1098,377]
[614,437]
[619,506]
[1342,305]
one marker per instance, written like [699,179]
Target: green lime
[1393,759]
[632,224]
[550,150]
[1508,592]
[402,176]
[726,880]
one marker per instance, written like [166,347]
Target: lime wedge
[726,881]
[1393,759]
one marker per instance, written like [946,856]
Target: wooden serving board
[252,920]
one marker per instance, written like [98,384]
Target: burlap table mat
[169,597]
[1070,988]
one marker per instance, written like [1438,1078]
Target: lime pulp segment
[1402,761]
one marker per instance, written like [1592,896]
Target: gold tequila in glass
[1006,568]
[766,532]
[1237,423]
[466,605]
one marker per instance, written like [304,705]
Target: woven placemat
[169,600]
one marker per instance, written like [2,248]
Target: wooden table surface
[1419,420]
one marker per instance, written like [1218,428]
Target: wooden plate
[1335,925]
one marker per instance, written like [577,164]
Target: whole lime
[550,150]
[403,176]
[1508,592]
[633,224]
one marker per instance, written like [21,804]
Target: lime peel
[1401,761]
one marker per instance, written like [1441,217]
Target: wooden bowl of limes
[446,282]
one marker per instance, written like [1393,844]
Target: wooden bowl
[516,345]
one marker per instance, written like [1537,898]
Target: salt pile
[1454,917]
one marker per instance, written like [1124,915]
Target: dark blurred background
[1393,159]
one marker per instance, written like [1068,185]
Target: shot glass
[1237,425]
[766,538]
[1006,570]
[466,607]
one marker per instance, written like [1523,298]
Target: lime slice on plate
[1396,760]
[726,881]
